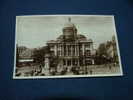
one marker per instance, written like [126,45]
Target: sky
[34,31]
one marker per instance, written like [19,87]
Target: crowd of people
[75,70]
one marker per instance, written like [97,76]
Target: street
[91,70]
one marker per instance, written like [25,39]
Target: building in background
[112,50]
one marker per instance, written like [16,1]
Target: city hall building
[71,49]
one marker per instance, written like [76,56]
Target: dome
[69,24]
[69,31]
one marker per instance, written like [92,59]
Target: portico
[71,48]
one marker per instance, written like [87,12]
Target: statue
[45,69]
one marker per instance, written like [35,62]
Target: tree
[101,54]
[115,57]
[39,54]
[102,51]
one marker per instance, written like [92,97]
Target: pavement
[103,69]
[91,70]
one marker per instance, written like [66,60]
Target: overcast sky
[35,31]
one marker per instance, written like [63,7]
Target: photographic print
[65,46]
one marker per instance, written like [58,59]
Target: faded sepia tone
[50,46]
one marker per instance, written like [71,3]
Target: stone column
[83,49]
[66,50]
[55,50]
[78,50]
[93,61]
[75,50]
[78,62]
[71,50]
[62,50]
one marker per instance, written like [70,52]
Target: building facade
[70,48]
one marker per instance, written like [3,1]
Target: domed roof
[69,24]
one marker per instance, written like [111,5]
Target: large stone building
[70,48]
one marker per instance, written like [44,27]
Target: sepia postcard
[66,46]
